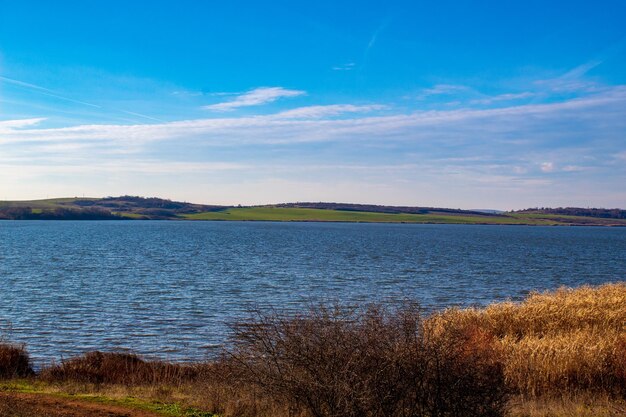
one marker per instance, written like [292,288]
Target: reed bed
[566,341]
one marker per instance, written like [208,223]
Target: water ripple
[169,289]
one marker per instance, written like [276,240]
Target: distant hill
[577,211]
[383,209]
[152,208]
[140,208]
[109,208]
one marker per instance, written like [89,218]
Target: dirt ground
[41,405]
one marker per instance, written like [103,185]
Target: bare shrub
[14,362]
[341,362]
[119,368]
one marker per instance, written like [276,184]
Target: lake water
[167,289]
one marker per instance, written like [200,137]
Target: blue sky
[492,104]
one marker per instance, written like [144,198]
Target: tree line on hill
[578,211]
[58,213]
[152,207]
[373,208]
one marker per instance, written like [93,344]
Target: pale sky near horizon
[468,104]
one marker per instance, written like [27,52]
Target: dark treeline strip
[382,209]
[578,211]
[59,213]
[148,206]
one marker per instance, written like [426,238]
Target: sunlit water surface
[169,289]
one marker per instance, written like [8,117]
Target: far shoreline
[127,219]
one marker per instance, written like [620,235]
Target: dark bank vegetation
[557,353]
[58,213]
[578,211]
[14,362]
[372,208]
[109,208]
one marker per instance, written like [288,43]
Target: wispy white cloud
[78,167]
[316,112]
[504,97]
[345,67]
[9,125]
[547,167]
[574,168]
[258,96]
[443,89]
[312,124]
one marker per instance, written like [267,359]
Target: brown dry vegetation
[377,362]
[555,354]
[120,368]
[14,362]
[567,341]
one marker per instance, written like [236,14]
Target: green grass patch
[129,215]
[42,204]
[306,214]
[164,409]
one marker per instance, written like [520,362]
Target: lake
[169,289]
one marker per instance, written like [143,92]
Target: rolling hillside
[139,208]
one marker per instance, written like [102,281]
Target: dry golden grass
[569,406]
[565,341]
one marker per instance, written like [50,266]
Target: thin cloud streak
[132,113]
[316,112]
[116,167]
[443,89]
[346,67]
[504,97]
[258,96]
[10,125]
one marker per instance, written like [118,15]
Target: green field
[50,203]
[321,215]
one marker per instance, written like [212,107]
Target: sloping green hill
[307,214]
[138,208]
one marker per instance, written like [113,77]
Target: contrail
[45,91]
[604,55]
[372,42]
[143,115]
[51,93]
